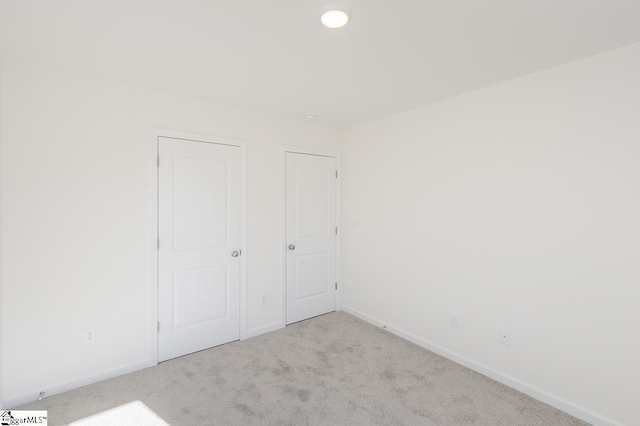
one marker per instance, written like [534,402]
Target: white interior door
[199,246]
[310,235]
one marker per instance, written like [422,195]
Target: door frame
[283,166]
[153,264]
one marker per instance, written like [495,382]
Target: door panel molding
[286,149]
[155,134]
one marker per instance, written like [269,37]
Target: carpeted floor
[330,370]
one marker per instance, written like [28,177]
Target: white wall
[75,161]
[515,206]
[1,269]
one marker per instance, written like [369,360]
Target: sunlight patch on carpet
[132,413]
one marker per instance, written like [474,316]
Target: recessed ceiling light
[310,116]
[334,16]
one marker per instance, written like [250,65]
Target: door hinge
[336,286]
[336,230]
[336,174]
[158,162]
[158,243]
[158,326]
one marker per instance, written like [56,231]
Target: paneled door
[310,193]
[199,246]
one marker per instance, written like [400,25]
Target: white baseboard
[74,384]
[548,398]
[265,329]
[95,378]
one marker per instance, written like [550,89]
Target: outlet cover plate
[453,319]
[90,335]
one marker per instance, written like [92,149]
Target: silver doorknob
[292,247]
[235,253]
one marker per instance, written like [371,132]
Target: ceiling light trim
[335,16]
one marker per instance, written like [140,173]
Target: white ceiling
[274,56]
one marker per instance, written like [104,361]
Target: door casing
[283,242]
[155,133]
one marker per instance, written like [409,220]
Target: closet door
[199,246]
[310,235]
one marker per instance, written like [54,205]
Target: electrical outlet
[90,335]
[505,337]
[453,319]
[263,299]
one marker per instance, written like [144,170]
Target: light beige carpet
[330,370]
